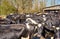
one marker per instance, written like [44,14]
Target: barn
[55,8]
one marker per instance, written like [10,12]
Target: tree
[22,5]
[6,8]
[42,5]
[28,6]
[53,2]
[36,5]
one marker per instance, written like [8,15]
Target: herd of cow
[15,26]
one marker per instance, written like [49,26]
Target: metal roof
[55,7]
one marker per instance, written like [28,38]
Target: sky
[57,2]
